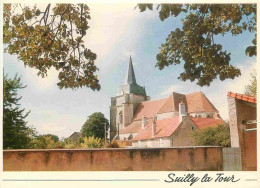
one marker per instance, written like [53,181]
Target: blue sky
[115,31]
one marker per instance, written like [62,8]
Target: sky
[116,31]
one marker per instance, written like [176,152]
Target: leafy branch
[50,38]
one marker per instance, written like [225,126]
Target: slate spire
[130,77]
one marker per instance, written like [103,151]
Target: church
[164,122]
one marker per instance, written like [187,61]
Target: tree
[52,38]
[194,44]
[16,135]
[251,88]
[46,142]
[94,126]
[213,136]
[53,137]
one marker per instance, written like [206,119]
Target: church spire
[130,77]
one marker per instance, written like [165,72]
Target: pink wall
[152,159]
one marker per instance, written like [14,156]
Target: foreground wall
[240,110]
[162,159]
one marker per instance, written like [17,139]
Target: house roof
[242,97]
[203,123]
[164,128]
[76,134]
[148,108]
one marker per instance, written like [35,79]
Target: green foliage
[204,60]
[70,144]
[46,142]
[55,138]
[16,135]
[91,142]
[213,136]
[94,126]
[53,37]
[251,89]
[251,50]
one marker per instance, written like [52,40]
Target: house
[243,127]
[173,131]
[158,123]
[75,136]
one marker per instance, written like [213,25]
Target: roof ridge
[152,100]
[193,93]
[210,103]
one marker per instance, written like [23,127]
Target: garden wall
[144,159]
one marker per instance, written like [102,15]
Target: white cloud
[114,27]
[42,83]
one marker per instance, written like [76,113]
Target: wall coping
[107,149]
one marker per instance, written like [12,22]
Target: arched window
[199,116]
[208,116]
[120,117]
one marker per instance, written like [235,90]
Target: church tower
[123,105]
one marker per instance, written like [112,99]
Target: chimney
[154,126]
[182,111]
[216,116]
[144,122]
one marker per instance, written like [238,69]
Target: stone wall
[238,111]
[152,159]
[183,135]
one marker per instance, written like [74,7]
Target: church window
[120,117]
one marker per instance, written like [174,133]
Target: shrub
[91,142]
[45,142]
[213,136]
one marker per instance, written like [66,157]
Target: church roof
[148,108]
[195,102]
[130,85]
[130,76]
[164,128]
[198,102]
[134,127]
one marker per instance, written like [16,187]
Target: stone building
[243,128]
[158,123]
[75,136]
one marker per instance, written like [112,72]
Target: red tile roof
[198,102]
[242,97]
[203,123]
[148,108]
[195,102]
[164,128]
[168,106]
[172,103]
